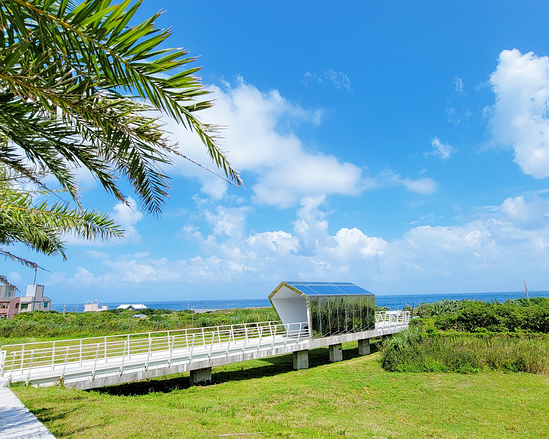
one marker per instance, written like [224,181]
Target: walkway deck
[101,361]
[16,422]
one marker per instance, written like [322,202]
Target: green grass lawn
[354,398]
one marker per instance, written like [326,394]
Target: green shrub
[467,353]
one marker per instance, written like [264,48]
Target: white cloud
[423,186]
[458,84]
[339,79]
[273,242]
[499,251]
[441,150]
[519,116]
[228,221]
[127,216]
[527,211]
[259,135]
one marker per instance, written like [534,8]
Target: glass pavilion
[329,308]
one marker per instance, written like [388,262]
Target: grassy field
[354,398]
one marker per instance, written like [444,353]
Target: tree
[42,226]
[79,88]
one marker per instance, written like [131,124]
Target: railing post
[274,337]
[260,336]
[95,363]
[212,344]
[22,357]
[123,357]
[149,353]
[53,355]
[80,356]
[30,367]
[229,340]
[192,348]
[105,341]
[3,360]
[65,364]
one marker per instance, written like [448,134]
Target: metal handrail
[88,357]
[400,318]
[60,353]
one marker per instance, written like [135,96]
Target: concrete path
[16,422]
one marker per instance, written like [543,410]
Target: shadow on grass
[265,367]
[48,415]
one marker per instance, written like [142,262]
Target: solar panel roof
[328,288]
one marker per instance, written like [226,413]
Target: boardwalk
[100,361]
[16,422]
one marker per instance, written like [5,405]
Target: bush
[467,353]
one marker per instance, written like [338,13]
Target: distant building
[94,307]
[132,306]
[7,294]
[34,300]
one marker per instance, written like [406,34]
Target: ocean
[393,302]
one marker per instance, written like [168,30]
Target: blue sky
[402,146]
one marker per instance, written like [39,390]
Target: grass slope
[354,398]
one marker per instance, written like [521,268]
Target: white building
[94,307]
[134,307]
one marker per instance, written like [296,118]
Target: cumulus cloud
[519,116]
[260,137]
[258,133]
[228,221]
[527,211]
[495,252]
[441,150]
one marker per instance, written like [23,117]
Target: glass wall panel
[332,315]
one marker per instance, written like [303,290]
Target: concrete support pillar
[201,376]
[301,360]
[364,347]
[336,352]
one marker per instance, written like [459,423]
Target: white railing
[176,345]
[86,358]
[390,319]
